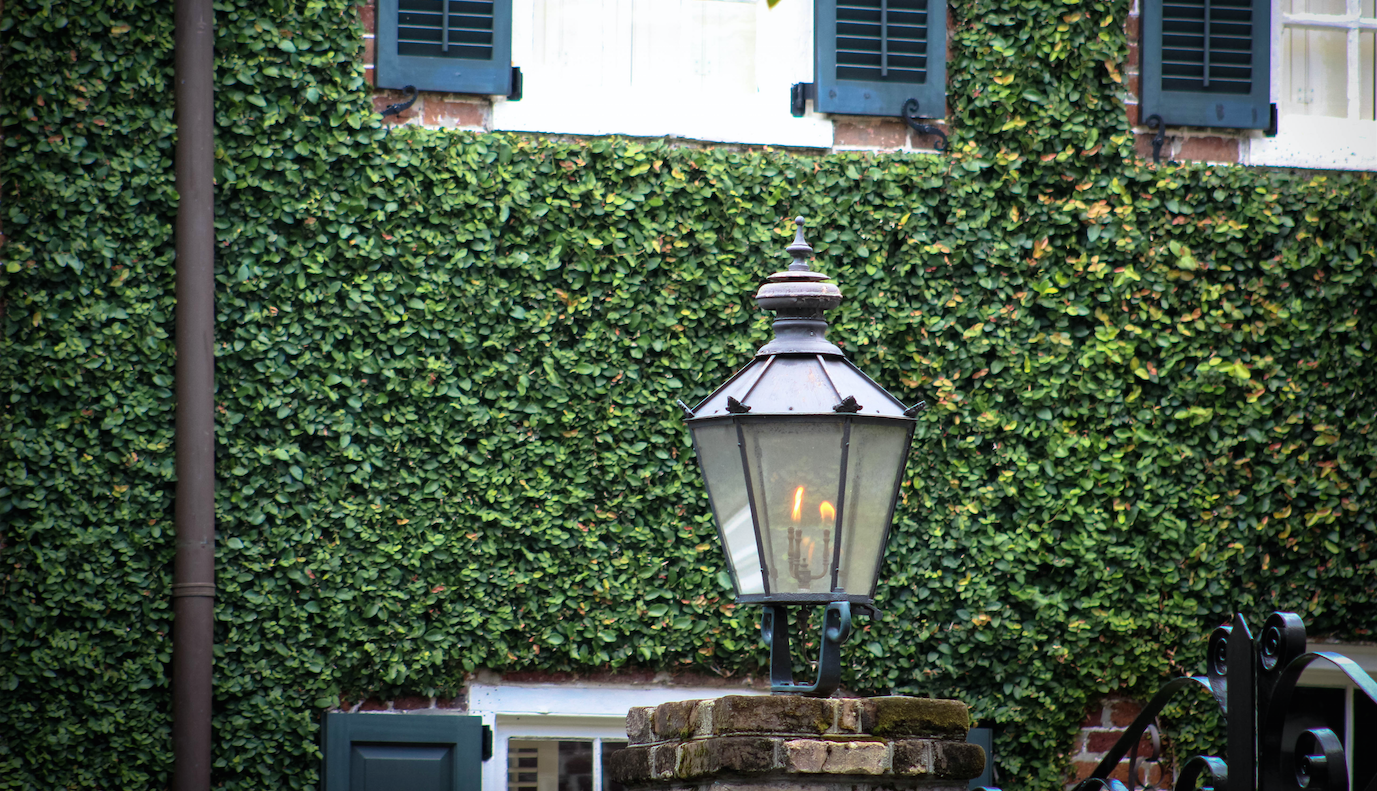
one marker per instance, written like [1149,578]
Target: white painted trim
[1317,141]
[582,711]
[604,78]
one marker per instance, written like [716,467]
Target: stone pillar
[742,743]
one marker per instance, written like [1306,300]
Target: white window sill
[1316,142]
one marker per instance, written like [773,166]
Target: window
[558,737]
[718,70]
[1324,61]
[459,46]
[560,765]
[1228,63]
[1326,698]
[874,55]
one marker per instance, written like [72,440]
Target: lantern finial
[800,249]
[799,297]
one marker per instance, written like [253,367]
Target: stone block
[664,760]
[702,719]
[774,714]
[638,725]
[744,755]
[856,758]
[900,716]
[806,756]
[631,765]
[848,715]
[673,720]
[912,757]
[958,760]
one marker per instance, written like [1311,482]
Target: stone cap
[779,715]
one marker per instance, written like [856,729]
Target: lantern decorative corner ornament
[802,455]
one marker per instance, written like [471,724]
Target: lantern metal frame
[766,392]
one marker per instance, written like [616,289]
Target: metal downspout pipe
[193,583]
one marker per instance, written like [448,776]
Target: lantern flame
[798,504]
[827,512]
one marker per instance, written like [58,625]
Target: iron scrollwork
[1254,682]
[910,116]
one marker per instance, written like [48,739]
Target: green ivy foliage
[447,364]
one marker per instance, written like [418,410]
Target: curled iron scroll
[910,116]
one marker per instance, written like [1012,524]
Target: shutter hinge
[800,93]
[514,94]
[1271,130]
[487,742]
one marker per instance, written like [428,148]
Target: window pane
[1315,72]
[608,784]
[1367,58]
[1314,7]
[534,765]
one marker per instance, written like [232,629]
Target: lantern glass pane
[875,462]
[795,469]
[720,457]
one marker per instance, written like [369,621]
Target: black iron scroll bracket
[836,627]
[409,94]
[910,116]
[1254,682]
[1156,123]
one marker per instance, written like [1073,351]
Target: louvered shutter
[461,46]
[874,55]
[1207,62]
[418,752]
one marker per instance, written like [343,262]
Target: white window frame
[576,712]
[623,105]
[1323,674]
[1316,141]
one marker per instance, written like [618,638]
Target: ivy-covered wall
[447,366]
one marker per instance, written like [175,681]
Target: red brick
[1133,56]
[1132,25]
[373,704]
[370,51]
[449,703]
[446,113]
[368,16]
[1133,114]
[370,76]
[1094,718]
[1100,742]
[1123,711]
[1142,144]
[1209,149]
[1082,768]
[382,99]
[410,703]
[1134,83]
[883,134]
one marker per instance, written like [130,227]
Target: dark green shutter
[460,46]
[874,55]
[418,752]
[1207,62]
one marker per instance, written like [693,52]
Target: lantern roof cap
[798,386]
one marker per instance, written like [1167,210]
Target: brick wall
[1103,726]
